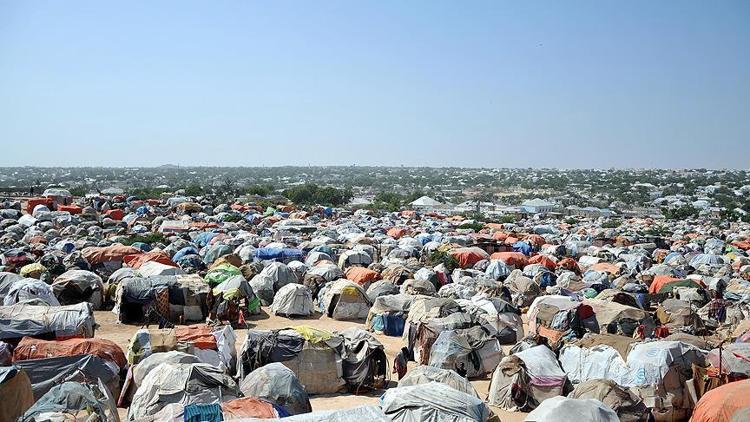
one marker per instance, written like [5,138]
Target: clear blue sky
[460,83]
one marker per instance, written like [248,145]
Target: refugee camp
[387,211]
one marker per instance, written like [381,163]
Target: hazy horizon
[483,84]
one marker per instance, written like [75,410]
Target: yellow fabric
[312,334]
[32,270]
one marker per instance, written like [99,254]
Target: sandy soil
[121,334]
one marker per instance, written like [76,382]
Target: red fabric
[31,203]
[96,255]
[115,214]
[535,239]
[73,209]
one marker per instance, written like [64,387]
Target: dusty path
[121,334]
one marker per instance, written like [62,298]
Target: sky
[573,84]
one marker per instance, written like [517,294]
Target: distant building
[425,203]
[592,212]
[538,206]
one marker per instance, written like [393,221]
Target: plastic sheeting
[183,383]
[563,409]
[293,300]
[433,402]
[63,321]
[278,384]
[424,374]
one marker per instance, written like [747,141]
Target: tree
[194,189]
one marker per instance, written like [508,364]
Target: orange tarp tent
[516,259]
[500,236]
[396,232]
[467,257]
[659,282]
[720,404]
[97,255]
[361,275]
[137,260]
[543,260]
[248,407]
[606,267]
[200,336]
[32,348]
[73,209]
[535,239]
[569,264]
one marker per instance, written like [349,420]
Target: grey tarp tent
[433,402]
[183,383]
[69,398]
[425,374]
[563,409]
[278,384]
[61,321]
[46,373]
[292,300]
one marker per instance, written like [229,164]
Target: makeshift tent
[722,404]
[16,394]
[292,300]
[388,314]
[362,276]
[563,409]
[315,356]
[365,364]
[224,300]
[30,290]
[525,379]
[467,257]
[424,374]
[45,373]
[32,348]
[472,350]
[344,300]
[171,298]
[76,400]
[278,384]
[432,402]
[628,406]
[76,286]
[182,383]
[60,322]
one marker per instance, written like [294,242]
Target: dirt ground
[120,333]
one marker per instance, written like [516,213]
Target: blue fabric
[394,324]
[378,323]
[323,248]
[522,247]
[203,238]
[203,413]
[188,250]
[277,253]
[145,247]
[280,410]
